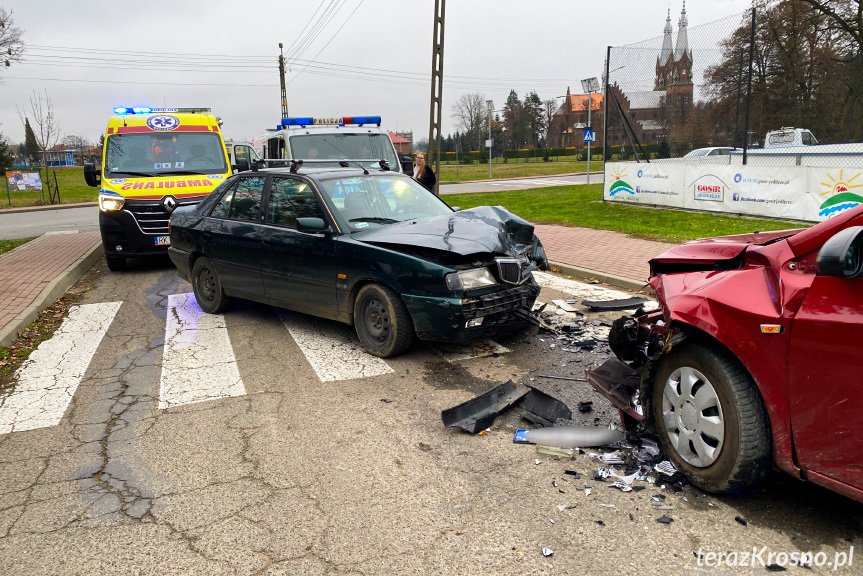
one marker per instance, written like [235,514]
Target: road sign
[589,135]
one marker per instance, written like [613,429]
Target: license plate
[162,240]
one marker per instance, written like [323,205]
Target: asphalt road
[516,183]
[265,442]
[26,224]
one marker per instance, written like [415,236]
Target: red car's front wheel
[711,419]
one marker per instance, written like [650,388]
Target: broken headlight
[470,279]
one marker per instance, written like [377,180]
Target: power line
[328,41]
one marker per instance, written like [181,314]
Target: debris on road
[547,551]
[543,409]
[665,520]
[585,407]
[478,413]
[741,520]
[563,305]
[568,436]
[610,305]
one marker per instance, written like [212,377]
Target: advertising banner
[833,190]
[791,192]
[659,184]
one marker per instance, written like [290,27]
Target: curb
[48,207]
[52,291]
[611,279]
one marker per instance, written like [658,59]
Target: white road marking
[333,350]
[582,290]
[50,376]
[198,362]
[473,349]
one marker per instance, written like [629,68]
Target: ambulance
[153,160]
[332,142]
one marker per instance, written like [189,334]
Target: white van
[331,142]
[788,136]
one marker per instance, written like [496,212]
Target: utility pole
[489,142]
[282,78]
[436,90]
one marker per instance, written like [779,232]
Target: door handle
[206,234]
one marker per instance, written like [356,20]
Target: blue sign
[589,136]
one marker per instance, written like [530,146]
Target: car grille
[152,218]
[503,301]
[510,269]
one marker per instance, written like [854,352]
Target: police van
[153,160]
[331,142]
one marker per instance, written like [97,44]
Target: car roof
[330,173]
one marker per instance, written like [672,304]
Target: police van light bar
[143,110]
[331,121]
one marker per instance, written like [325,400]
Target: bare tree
[11,47]
[47,129]
[549,107]
[469,113]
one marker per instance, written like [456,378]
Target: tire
[703,398]
[115,263]
[382,321]
[208,289]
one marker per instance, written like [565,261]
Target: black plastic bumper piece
[478,413]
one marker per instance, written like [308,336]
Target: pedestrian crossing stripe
[48,379]
[198,360]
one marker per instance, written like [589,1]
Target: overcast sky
[369,57]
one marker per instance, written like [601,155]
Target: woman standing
[423,174]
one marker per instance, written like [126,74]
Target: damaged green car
[372,249]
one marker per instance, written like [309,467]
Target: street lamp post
[589,85]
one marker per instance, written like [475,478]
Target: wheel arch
[354,290]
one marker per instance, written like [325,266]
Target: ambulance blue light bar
[331,121]
[144,110]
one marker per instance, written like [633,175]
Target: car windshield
[699,152]
[328,149]
[362,202]
[152,154]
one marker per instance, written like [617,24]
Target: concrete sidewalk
[39,272]
[34,275]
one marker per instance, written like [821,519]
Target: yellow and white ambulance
[153,160]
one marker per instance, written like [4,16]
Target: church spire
[665,55]
[682,46]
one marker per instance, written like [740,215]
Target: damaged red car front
[754,358]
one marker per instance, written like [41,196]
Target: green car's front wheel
[382,321]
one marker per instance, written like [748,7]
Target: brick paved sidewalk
[26,272]
[603,251]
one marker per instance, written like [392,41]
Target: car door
[231,237]
[298,267]
[825,371]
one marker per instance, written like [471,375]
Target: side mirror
[242,165]
[407,165]
[312,225]
[91,175]
[841,255]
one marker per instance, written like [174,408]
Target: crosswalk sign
[589,135]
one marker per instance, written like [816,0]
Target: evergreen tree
[5,153]
[534,119]
[30,142]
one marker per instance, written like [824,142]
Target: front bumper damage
[453,319]
[640,342]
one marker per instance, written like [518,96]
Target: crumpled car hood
[481,230]
[718,249]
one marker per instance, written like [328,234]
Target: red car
[755,358]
